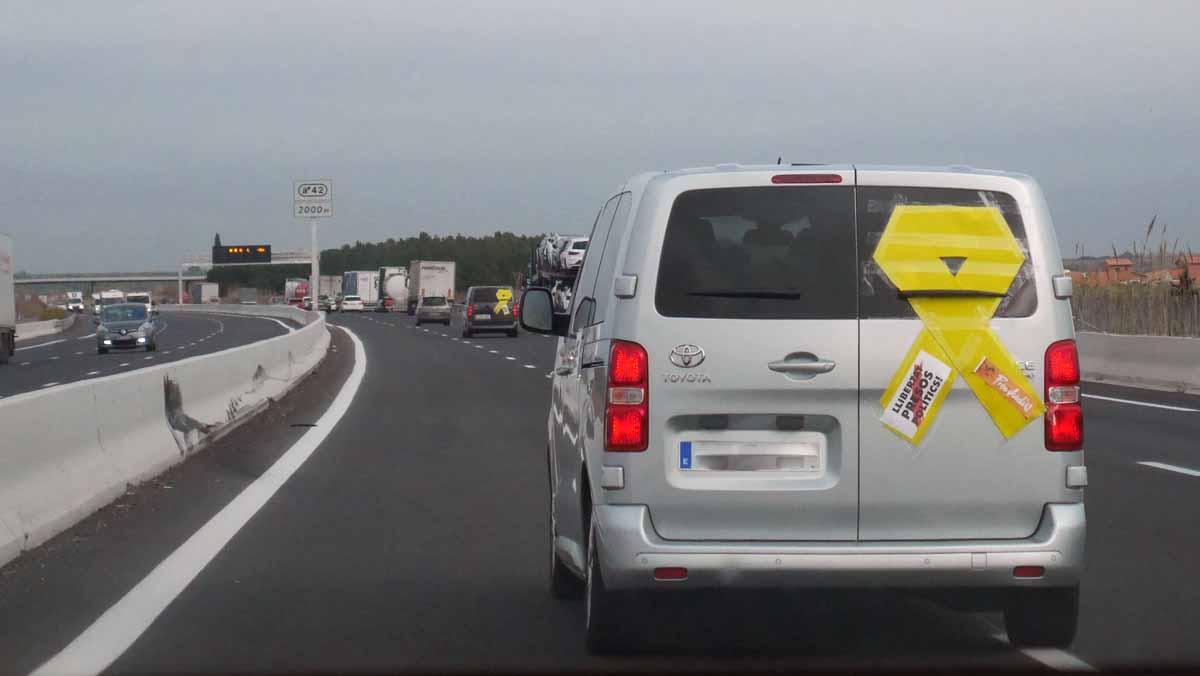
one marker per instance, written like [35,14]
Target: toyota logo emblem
[687,356]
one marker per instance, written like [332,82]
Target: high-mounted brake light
[805,179]
[1064,413]
[627,406]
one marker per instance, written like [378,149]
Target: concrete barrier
[31,330]
[1156,362]
[69,450]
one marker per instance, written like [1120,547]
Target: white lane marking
[166,352]
[147,358]
[50,342]
[50,384]
[454,339]
[1142,403]
[113,632]
[55,357]
[1171,468]
[478,347]
[79,353]
[92,373]
[90,336]
[1056,659]
[511,358]
[530,366]
[493,352]
[123,365]
[25,363]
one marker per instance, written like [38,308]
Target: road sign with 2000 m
[312,199]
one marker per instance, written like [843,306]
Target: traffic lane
[416,537]
[1139,600]
[1130,425]
[81,325]
[526,348]
[181,336]
[49,595]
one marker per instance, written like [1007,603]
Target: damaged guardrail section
[67,451]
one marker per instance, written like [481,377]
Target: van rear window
[879,299]
[760,253]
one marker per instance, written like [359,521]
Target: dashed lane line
[49,384]
[530,366]
[92,373]
[123,365]
[1142,403]
[511,358]
[1171,468]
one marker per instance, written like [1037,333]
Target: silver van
[818,376]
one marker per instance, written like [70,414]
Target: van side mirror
[538,315]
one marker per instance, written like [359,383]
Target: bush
[1136,309]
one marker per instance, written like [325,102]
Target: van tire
[151,347]
[512,333]
[101,350]
[603,618]
[1042,617]
[466,333]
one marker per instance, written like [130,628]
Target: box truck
[427,279]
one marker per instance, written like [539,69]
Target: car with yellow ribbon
[489,308]
[835,376]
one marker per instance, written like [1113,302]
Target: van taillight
[1064,413]
[470,310]
[627,406]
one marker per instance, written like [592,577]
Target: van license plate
[752,456]
[483,316]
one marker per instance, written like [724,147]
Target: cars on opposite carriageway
[735,401]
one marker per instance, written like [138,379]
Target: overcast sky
[130,132]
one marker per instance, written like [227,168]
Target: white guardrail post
[69,450]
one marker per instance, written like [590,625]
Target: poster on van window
[917,399]
[956,304]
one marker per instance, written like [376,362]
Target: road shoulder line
[115,631]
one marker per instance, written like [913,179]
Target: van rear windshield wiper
[781,294]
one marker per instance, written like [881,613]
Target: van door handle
[802,366]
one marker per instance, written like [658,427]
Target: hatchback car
[833,376]
[351,304]
[433,309]
[572,253]
[125,326]
[489,308]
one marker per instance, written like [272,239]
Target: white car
[571,256]
[352,304]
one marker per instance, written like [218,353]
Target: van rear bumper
[630,550]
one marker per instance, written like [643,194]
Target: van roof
[746,168]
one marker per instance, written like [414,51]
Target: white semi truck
[393,283]
[427,279]
[8,301]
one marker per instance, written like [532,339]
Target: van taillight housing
[470,310]
[1064,413]
[627,407]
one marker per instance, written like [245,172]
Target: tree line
[490,259]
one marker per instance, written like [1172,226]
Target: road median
[71,449]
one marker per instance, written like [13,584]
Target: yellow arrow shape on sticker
[954,264]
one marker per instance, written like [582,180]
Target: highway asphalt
[414,537]
[71,355]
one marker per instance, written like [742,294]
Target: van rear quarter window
[879,298]
[760,253]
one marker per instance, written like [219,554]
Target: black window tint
[760,253]
[586,280]
[607,252]
[879,298]
[583,315]
[486,294]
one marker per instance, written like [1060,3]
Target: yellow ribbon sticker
[955,265]
[503,296]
